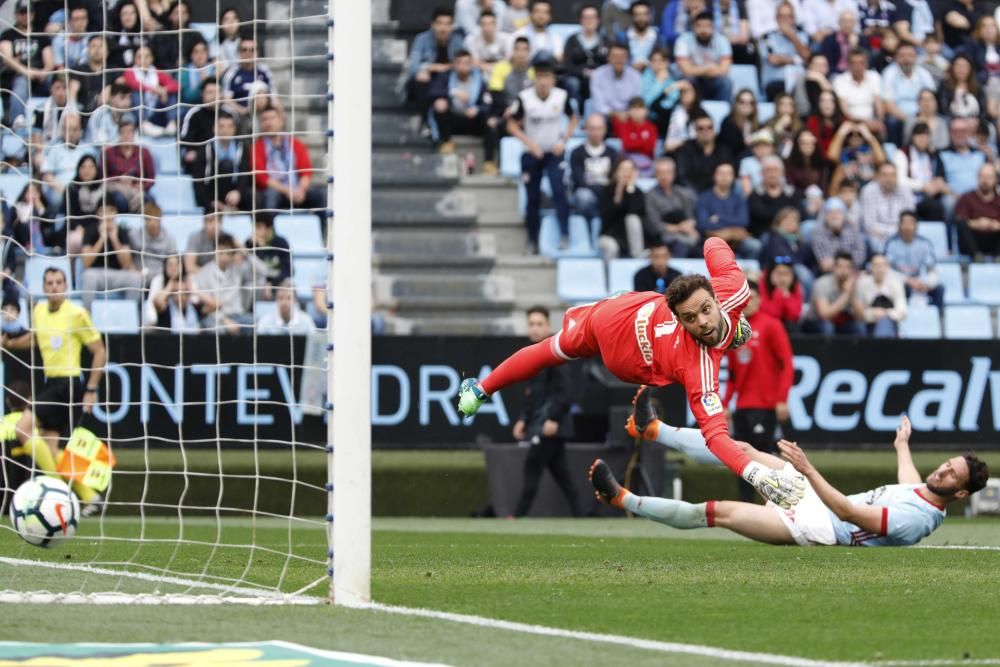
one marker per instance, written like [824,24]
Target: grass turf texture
[632,578]
[414,483]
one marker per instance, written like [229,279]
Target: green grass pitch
[632,578]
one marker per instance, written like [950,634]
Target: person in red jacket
[154,92]
[760,376]
[638,135]
[781,295]
[282,169]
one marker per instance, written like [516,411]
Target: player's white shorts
[809,521]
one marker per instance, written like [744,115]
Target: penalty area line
[619,640]
[957,547]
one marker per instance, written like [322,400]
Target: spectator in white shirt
[287,318]
[545,43]
[883,297]
[469,12]
[487,45]
[704,57]
[859,90]
[882,202]
[821,18]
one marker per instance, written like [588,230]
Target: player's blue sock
[687,441]
[673,513]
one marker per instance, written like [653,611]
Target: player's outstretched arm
[872,519]
[906,471]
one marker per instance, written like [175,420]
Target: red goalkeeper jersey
[641,342]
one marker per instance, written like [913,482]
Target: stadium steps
[397,250]
[434,291]
[411,169]
[412,209]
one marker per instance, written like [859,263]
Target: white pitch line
[620,640]
[941,662]
[958,547]
[257,595]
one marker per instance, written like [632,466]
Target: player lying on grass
[892,515]
[644,338]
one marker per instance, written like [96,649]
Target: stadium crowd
[88,89]
[812,135]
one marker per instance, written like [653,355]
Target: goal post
[349,284]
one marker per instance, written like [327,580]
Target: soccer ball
[44,511]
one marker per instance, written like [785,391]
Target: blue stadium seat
[717,110]
[34,272]
[210,31]
[580,244]
[749,266]
[12,145]
[580,280]
[511,149]
[890,150]
[745,76]
[181,227]
[951,280]
[690,265]
[302,232]
[307,272]
[174,194]
[614,142]
[621,273]
[984,284]
[166,155]
[968,322]
[646,184]
[240,226]
[564,30]
[765,111]
[24,317]
[937,234]
[262,309]
[116,316]
[921,322]
[11,185]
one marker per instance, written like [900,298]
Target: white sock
[673,513]
[687,441]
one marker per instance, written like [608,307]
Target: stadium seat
[765,111]
[116,316]
[749,266]
[240,226]
[181,227]
[951,279]
[263,309]
[12,145]
[511,149]
[717,110]
[890,150]
[210,31]
[621,273]
[745,76]
[306,273]
[174,194]
[984,284]
[302,232]
[690,265]
[921,322]
[580,244]
[564,30]
[614,142]
[24,317]
[11,185]
[646,184]
[166,155]
[968,322]
[34,272]
[937,234]
[580,280]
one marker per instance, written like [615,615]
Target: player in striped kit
[644,338]
[899,514]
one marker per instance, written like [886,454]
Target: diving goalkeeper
[644,338]
[899,514]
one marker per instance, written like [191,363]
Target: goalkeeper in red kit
[653,339]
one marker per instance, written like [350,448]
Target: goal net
[174,164]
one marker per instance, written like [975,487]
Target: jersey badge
[711,403]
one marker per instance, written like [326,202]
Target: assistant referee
[62,329]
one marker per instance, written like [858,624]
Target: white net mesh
[170,161]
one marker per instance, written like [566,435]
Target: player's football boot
[93,507]
[643,422]
[470,397]
[783,489]
[606,487]
[743,333]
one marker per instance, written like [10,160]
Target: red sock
[522,365]
[727,451]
